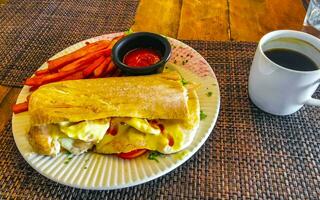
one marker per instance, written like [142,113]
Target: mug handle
[313,102]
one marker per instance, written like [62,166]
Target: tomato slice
[132,154]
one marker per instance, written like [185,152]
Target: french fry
[86,60]
[99,71]
[20,107]
[55,64]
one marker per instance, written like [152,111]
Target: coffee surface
[291,59]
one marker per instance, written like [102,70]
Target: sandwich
[115,115]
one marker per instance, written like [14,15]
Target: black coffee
[291,59]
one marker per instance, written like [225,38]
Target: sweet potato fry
[42,72]
[91,43]
[36,82]
[20,107]
[60,75]
[114,41]
[89,70]
[116,73]
[86,60]
[111,68]
[33,81]
[55,77]
[33,88]
[75,76]
[55,64]
[100,70]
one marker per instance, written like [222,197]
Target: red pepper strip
[20,107]
[132,154]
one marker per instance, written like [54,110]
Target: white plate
[104,172]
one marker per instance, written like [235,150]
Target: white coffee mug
[279,90]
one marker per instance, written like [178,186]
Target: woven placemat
[33,31]
[250,154]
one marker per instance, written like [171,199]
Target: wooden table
[241,20]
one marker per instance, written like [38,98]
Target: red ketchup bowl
[141,53]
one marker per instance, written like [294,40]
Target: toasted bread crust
[160,96]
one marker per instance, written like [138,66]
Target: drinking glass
[311,22]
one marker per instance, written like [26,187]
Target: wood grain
[6,103]
[204,20]
[158,16]
[2,2]
[241,20]
[3,92]
[251,19]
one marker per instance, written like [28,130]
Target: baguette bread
[160,96]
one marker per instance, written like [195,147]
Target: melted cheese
[88,131]
[129,138]
[142,125]
[136,133]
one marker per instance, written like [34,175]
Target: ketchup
[141,57]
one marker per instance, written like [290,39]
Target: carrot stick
[20,107]
[99,71]
[85,60]
[57,63]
